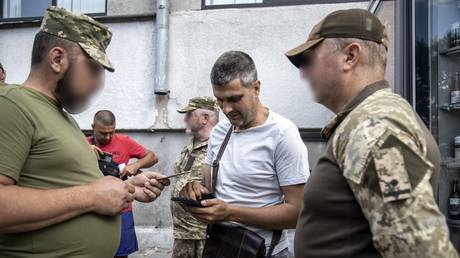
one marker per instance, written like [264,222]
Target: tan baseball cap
[92,36]
[351,23]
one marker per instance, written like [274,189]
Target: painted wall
[197,38]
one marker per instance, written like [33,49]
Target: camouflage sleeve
[391,183]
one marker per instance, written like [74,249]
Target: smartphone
[191,202]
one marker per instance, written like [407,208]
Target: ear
[92,126]
[58,60]
[205,119]
[257,87]
[352,54]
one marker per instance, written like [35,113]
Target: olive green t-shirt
[42,147]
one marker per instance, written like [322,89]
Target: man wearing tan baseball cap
[371,193]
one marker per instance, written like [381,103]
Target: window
[213,4]
[33,9]
[83,6]
[24,8]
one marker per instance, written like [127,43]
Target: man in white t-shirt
[265,164]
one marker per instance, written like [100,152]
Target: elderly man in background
[202,114]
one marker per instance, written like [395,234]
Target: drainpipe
[161,51]
[161,65]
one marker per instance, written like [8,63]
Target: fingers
[197,189]
[190,192]
[153,175]
[204,190]
[152,191]
[131,188]
[156,183]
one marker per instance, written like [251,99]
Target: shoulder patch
[392,174]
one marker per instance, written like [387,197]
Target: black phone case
[191,202]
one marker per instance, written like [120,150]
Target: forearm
[281,216]
[147,161]
[26,209]
[31,226]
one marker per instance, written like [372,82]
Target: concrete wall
[197,38]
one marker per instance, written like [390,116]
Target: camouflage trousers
[188,248]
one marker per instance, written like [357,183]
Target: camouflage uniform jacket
[381,149]
[191,158]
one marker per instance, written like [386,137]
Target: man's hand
[110,195]
[193,190]
[215,211]
[97,151]
[129,170]
[149,186]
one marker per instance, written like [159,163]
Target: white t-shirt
[256,163]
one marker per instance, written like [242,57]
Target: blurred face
[82,80]
[2,75]
[103,133]
[322,71]
[194,121]
[238,102]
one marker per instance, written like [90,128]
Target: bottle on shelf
[457,147]
[454,202]
[454,34]
[455,89]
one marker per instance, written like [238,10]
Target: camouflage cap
[92,36]
[203,102]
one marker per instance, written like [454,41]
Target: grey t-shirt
[256,163]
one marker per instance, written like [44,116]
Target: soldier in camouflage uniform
[372,192]
[202,114]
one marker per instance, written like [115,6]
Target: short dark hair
[233,65]
[44,42]
[104,117]
[1,67]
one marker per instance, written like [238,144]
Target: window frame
[53,3]
[272,3]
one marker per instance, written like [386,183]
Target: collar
[329,129]
[191,148]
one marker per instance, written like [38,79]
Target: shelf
[453,222]
[450,107]
[451,163]
[451,51]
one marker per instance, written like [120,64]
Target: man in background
[122,148]
[202,114]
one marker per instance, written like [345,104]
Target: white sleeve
[291,159]
[209,155]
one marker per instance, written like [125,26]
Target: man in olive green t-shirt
[54,201]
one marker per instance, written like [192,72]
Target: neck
[259,119]
[40,83]
[202,135]
[349,91]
